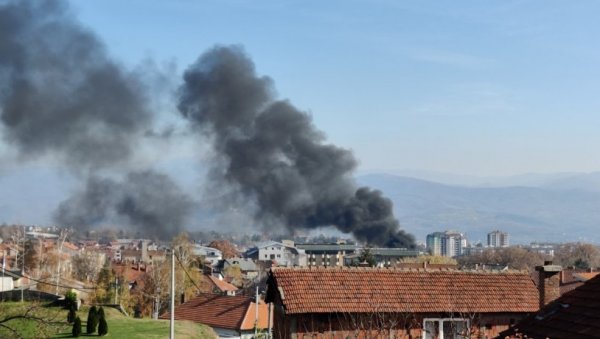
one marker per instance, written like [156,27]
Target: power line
[186,273]
[51,284]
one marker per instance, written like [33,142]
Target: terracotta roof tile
[325,290]
[222,285]
[229,312]
[573,315]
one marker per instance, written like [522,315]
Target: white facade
[210,254]
[6,284]
[283,254]
[497,239]
[447,244]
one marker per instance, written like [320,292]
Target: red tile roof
[229,312]
[327,290]
[585,276]
[222,285]
[573,315]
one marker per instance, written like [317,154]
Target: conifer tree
[71,315]
[102,324]
[92,320]
[76,327]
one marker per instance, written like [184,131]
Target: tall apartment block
[448,244]
[497,239]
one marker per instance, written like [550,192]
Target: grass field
[119,326]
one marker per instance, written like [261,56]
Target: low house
[574,315]
[210,254]
[571,278]
[229,316]
[283,253]
[247,267]
[216,285]
[393,303]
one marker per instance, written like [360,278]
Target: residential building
[247,267]
[497,239]
[434,243]
[328,255]
[384,257]
[229,316]
[574,315]
[210,254]
[392,303]
[216,285]
[282,253]
[447,244]
[546,249]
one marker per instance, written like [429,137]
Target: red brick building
[392,303]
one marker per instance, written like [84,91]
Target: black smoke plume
[275,154]
[150,202]
[62,96]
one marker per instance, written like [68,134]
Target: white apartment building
[497,239]
[447,244]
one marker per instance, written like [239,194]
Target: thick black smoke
[62,96]
[276,155]
[150,202]
[60,92]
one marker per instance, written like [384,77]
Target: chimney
[549,282]
[145,257]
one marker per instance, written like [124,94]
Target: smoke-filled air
[63,97]
[275,154]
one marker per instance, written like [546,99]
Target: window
[446,328]
[279,256]
[272,256]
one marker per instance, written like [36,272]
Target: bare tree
[579,255]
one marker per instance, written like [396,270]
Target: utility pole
[256,314]
[3,266]
[23,265]
[116,289]
[61,240]
[269,322]
[172,325]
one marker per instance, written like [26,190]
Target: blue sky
[471,87]
[485,88]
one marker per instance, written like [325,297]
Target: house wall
[325,258]
[396,325]
[283,255]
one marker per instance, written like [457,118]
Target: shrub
[71,315]
[102,324]
[92,320]
[71,298]
[76,327]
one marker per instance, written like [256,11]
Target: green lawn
[119,326]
